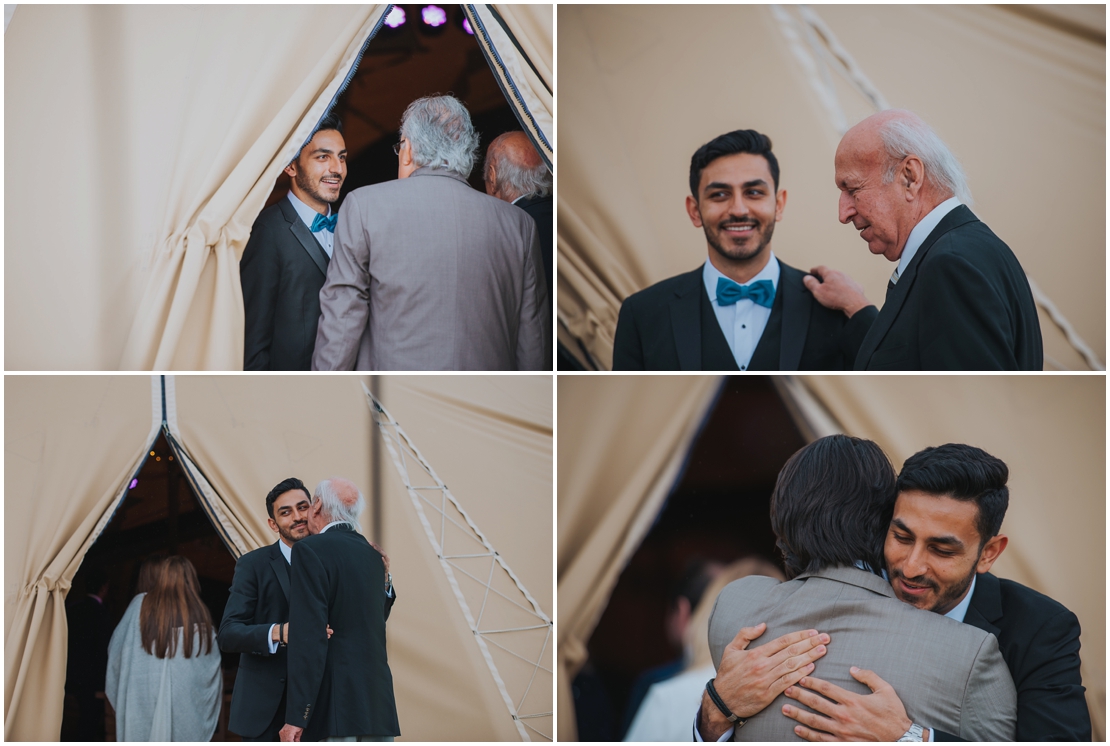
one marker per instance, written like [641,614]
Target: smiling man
[286,259]
[942,541]
[958,299]
[743,309]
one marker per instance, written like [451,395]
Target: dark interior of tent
[420,50]
[159,516]
[717,513]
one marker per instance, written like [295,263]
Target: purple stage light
[466,26]
[396,17]
[134,484]
[433,15]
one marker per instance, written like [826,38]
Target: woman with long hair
[164,676]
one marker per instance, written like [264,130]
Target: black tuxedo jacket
[259,599]
[672,326]
[342,686]
[963,303]
[541,210]
[1039,640]
[282,271]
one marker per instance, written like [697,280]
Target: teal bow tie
[761,292]
[320,223]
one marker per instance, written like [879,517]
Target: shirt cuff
[272,641]
[726,736]
[932,733]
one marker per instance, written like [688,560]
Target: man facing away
[339,688]
[942,541]
[286,259]
[830,510]
[256,617]
[958,299]
[743,309]
[515,173]
[428,273]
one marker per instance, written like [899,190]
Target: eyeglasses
[397,147]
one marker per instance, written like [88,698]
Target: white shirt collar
[286,551]
[922,230]
[960,611]
[334,523]
[306,213]
[710,274]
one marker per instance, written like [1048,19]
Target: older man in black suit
[743,309]
[959,299]
[339,688]
[286,259]
[515,173]
[256,618]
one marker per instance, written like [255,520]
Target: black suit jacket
[282,271]
[671,326]
[259,599]
[1039,640]
[963,303]
[541,210]
[342,686]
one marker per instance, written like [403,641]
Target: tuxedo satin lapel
[304,236]
[796,303]
[896,295]
[281,569]
[686,323]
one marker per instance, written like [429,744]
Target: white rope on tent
[405,453]
[824,46]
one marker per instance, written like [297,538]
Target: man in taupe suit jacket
[830,511]
[428,273]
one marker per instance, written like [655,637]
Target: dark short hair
[832,505]
[292,483]
[696,577]
[731,143]
[962,472]
[330,122]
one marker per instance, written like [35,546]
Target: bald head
[514,169]
[335,499]
[892,170]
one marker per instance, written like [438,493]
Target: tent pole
[376,467]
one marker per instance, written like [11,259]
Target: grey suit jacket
[949,676]
[430,274]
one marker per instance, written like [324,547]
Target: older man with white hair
[428,273]
[958,299]
[515,173]
[340,689]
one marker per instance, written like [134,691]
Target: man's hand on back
[879,716]
[749,680]
[836,290]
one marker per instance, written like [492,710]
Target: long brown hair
[174,602]
[148,573]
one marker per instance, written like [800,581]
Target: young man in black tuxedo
[743,309]
[339,687]
[958,299]
[256,617]
[286,259]
[943,539]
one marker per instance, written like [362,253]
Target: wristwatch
[736,720]
[915,734]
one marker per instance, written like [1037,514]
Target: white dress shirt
[921,231]
[308,215]
[957,613]
[743,322]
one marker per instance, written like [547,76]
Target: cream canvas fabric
[489,438]
[1049,430]
[642,87]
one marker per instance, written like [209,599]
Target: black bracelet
[736,720]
